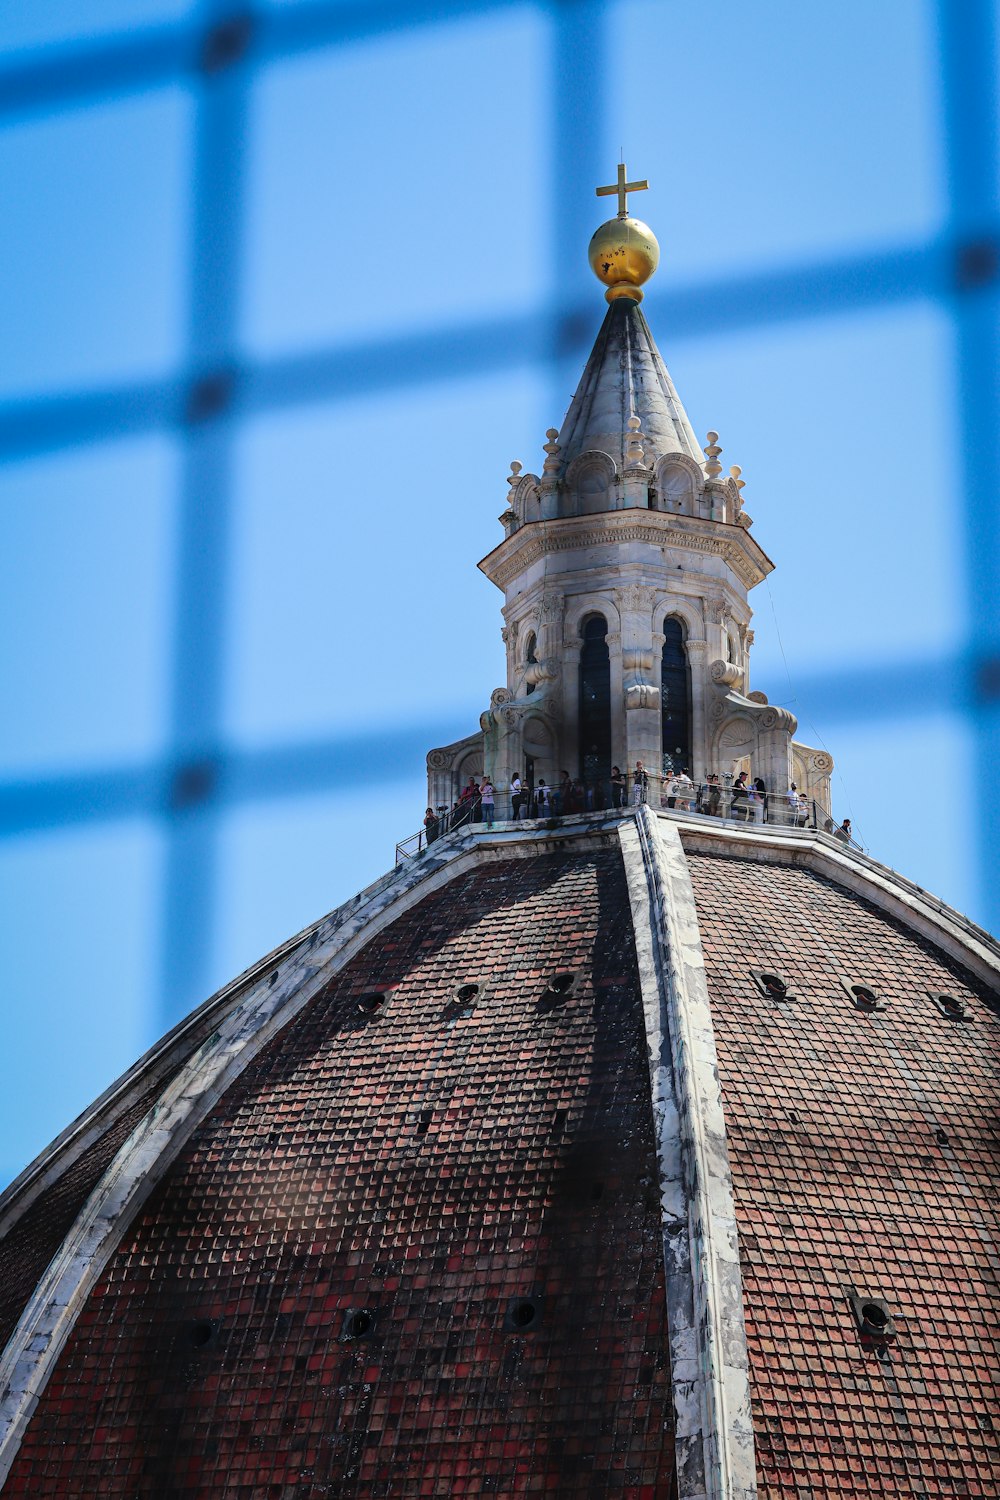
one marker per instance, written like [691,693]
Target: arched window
[595,702]
[676,699]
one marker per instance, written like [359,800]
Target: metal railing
[722,797]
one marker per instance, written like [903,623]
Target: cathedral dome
[620,1144]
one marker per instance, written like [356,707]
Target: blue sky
[405,183]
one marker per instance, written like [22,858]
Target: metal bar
[578,48]
[968,52]
[854,284]
[202,568]
[72,75]
[890,691]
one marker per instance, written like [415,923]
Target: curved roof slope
[863,1147]
[625,376]
[479,1181]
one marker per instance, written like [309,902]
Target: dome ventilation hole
[372,1002]
[951,1007]
[873,1318]
[358,1323]
[941,1136]
[424,1123]
[524,1314]
[466,993]
[559,988]
[864,998]
[201,1334]
[771,985]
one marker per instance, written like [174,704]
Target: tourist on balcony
[618,787]
[516,793]
[684,791]
[761,791]
[740,801]
[640,784]
[488,800]
[432,825]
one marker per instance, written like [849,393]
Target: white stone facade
[624,524]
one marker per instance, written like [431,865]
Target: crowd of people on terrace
[740,798]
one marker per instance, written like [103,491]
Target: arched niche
[735,746]
[590,485]
[678,482]
[525,498]
[675,698]
[595,701]
[471,764]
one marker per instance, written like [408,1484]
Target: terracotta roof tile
[864,1157]
[433,1171]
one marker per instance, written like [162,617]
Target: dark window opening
[864,998]
[466,993]
[595,703]
[675,700]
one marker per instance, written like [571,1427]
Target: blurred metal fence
[220,50]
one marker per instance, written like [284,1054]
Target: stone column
[697,655]
[569,739]
[619,741]
[639,692]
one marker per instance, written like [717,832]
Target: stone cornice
[575,533]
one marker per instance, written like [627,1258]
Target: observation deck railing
[723,799]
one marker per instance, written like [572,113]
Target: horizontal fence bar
[70,74]
[878,693]
[862,283]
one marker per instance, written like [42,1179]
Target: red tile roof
[434,1169]
[864,1156]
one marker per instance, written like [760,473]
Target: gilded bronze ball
[623,254]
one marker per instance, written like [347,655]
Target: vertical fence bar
[203,545]
[967,44]
[577,95]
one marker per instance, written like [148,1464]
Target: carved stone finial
[713,468]
[741,484]
[515,471]
[635,455]
[552,450]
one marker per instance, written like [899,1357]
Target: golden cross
[621,187]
